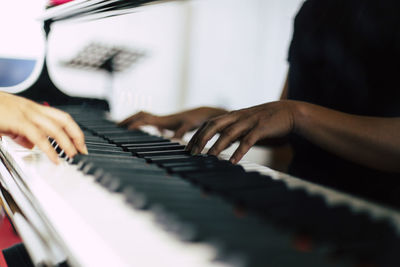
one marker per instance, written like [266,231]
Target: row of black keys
[270,226]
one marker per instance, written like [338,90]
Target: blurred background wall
[227,53]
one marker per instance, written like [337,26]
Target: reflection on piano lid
[141,200]
[94,9]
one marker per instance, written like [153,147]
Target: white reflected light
[20,30]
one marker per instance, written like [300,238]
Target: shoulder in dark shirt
[345,55]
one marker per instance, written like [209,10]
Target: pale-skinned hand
[30,124]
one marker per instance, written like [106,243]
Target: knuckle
[57,132]
[67,116]
[211,123]
[228,133]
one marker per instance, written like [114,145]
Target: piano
[140,199]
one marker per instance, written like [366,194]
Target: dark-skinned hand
[180,123]
[266,121]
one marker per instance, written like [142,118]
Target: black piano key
[192,161]
[126,167]
[113,151]
[181,152]
[103,143]
[96,139]
[206,168]
[132,169]
[126,143]
[93,137]
[155,148]
[225,184]
[83,158]
[120,132]
[127,139]
[144,200]
[95,152]
[117,162]
[103,146]
[140,145]
[146,183]
[165,159]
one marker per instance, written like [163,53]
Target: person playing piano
[339,110]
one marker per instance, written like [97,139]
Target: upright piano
[141,200]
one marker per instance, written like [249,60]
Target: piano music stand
[44,90]
[111,59]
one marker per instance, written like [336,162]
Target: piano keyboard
[139,199]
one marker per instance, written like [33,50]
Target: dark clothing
[345,55]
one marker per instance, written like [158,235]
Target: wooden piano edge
[41,241]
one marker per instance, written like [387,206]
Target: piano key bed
[248,218]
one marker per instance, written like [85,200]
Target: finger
[182,130]
[52,129]
[133,118]
[189,146]
[230,135]
[128,120]
[211,128]
[69,127]
[39,138]
[144,120]
[247,142]
[136,125]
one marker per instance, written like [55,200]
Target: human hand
[29,124]
[266,121]
[180,123]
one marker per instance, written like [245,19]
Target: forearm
[370,141]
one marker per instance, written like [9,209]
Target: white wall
[238,51]
[229,53]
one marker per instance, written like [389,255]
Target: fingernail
[85,150]
[194,151]
[233,160]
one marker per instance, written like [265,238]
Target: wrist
[300,114]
